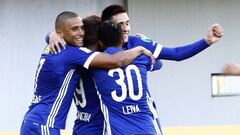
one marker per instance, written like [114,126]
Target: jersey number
[41,62]
[79,95]
[120,81]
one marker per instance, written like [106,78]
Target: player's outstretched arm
[103,60]
[215,32]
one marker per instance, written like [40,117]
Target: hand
[149,54]
[232,69]
[55,41]
[215,32]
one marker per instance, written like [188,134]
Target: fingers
[55,41]
[63,43]
[217,30]
[52,48]
[153,60]
[149,54]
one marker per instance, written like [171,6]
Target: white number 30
[120,82]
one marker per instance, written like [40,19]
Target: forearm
[127,56]
[183,52]
[119,59]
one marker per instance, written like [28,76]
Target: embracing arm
[55,42]
[103,60]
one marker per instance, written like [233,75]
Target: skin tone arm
[103,60]
[232,69]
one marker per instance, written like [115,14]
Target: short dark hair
[91,26]
[62,17]
[110,34]
[112,10]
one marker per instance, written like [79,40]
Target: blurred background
[182,90]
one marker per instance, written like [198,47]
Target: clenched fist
[215,32]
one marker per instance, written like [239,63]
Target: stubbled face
[72,31]
[123,20]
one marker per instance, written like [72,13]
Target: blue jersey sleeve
[157,65]
[183,52]
[145,42]
[80,56]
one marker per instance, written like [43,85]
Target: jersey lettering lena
[124,96]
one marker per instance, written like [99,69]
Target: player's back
[89,116]
[55,81]
[124,97]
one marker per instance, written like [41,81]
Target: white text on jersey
[130,109]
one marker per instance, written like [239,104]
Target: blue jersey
[160,52]
[124,97]
[89,116]
[55,82]
[149,44]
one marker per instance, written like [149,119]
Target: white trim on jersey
[45,130]
[155,114]
[156,126]
[89,60]
[106,124]
[157,50]
[41,62]
[58,101]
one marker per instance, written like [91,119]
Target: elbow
[180,58]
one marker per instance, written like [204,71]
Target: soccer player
[89,116]
[123,91]
[118,14]
[57,76]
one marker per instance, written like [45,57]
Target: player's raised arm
[103,60]
[215,32]
[55,42]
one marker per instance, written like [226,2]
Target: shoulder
[77,49]
[78,53]
[141,39]
[111,50]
